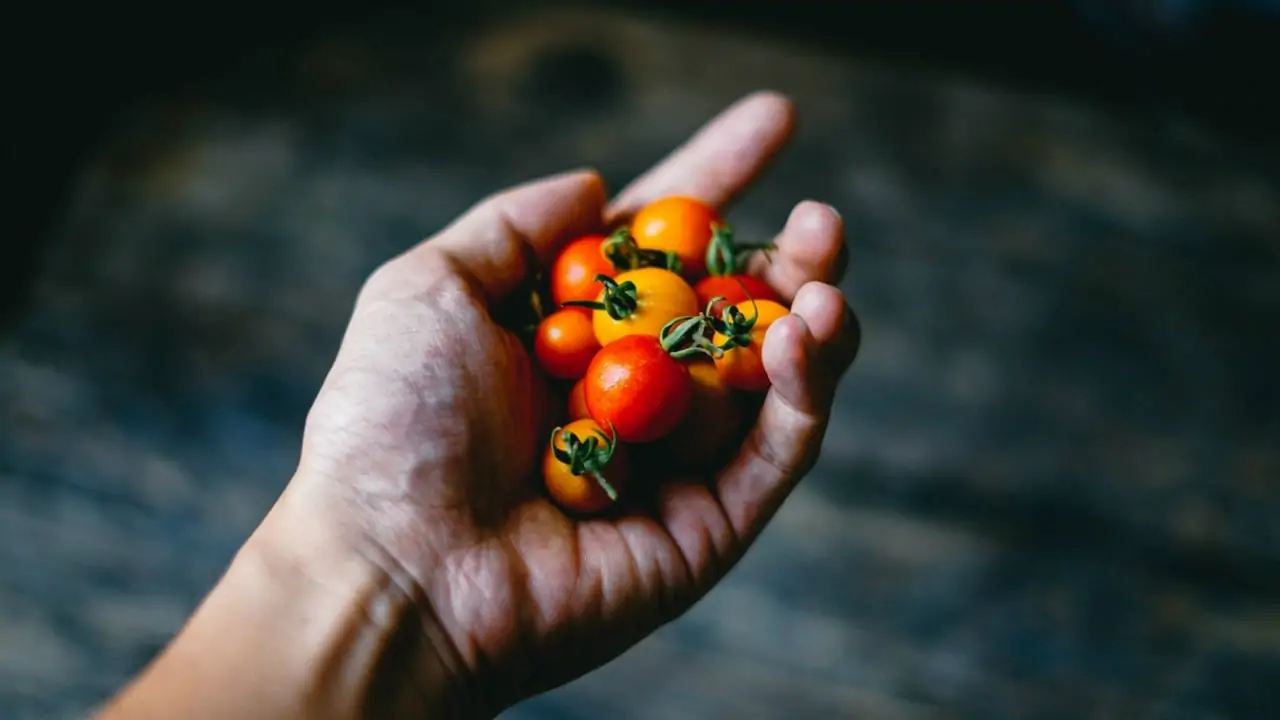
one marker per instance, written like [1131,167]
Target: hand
[418,461]
[427,429]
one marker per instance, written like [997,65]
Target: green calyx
[691,335]
[619,299]
[725,256]
[734,325]
[586,458]
[687,336]
[621,250]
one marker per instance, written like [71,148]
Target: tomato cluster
[656,330]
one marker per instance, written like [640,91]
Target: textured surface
[1050,490]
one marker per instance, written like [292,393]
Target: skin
[408,569]
[575,268]
[582,494]
[679,224]
[743,368]
[661,296]
[565,343]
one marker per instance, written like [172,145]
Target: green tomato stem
[587,458]
[620,301]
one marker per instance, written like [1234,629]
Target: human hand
[422,569]
[424,437]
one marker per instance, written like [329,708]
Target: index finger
[720,160]
[497,243]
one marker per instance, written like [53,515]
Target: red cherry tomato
[734,289]
[636,387]
[573,273]
[565,343]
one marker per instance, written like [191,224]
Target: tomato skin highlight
[565,343]
[573,272]
[582,493]
[678,224]
[734,289]
[636,387]
[578,401]
[661,296]
[743,367]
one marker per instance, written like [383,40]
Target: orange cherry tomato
[743,367]
[584,469]
[578,401]
[658,295]
[734,289]
[565,342]
[713,424]
[573,273]
[678,224]
[636,387]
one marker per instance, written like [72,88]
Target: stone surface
[1050,488]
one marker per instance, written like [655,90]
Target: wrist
[375,647]
[304,624]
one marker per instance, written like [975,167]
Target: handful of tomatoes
[658,330]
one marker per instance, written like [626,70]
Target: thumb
[499,242]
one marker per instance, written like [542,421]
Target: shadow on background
[1207,59]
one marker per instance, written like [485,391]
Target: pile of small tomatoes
[654,332]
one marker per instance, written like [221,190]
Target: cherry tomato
[678,224]
[584,469]
[734,289]
[573,273]
[635,386]
[578,401]
[565,343]
[743,367]
[647,299]
[713,423]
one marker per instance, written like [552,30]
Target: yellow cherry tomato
[586,473]
[743,367]
[678,224]
[658,296]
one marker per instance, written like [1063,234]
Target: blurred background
[1052,485]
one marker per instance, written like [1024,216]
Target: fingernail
[833,210]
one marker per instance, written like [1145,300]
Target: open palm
[425,435]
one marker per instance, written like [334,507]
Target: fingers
[805,354]
[720,160]
[810,247]
[496,241]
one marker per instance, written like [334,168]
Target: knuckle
[381,282]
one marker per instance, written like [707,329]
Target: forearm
[298,627]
